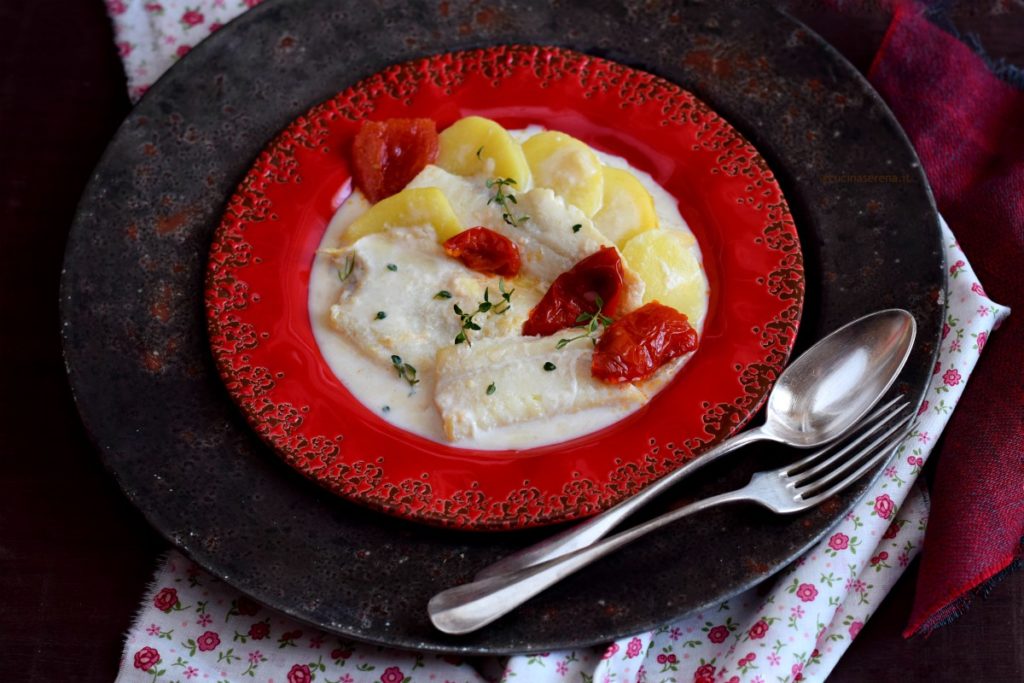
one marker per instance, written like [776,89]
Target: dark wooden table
[75,557]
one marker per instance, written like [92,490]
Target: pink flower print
[675,634]
[346,679]
[718,634]
[978,289]
[807,592]
[192,17]
[252,3]
[956,267]
[667,659]
[774,659]
[166,599]
[300,674]
[116,6]
[915,460]
[938,368]
[951,378]
[562,668]
[255,657]
[982,338]
[146,658]
[391,675]
[215,26]
[954,345]
[797,612]
[704,674]
[154,8]
[183,50]
[890,471]
[633,649]
[923,437]
[982,311]
[839,542]
[204,620]
[153,630]
[207,641]
[903,559]
[923,409]
[798,671]
[734,679]
[758,630]
[884,506]
[610,652]
[190,672]
[855,628]
[124,49]
[893,529]
[945,330]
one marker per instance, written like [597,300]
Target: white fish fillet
[523,389]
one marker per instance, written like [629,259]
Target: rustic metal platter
[150,396]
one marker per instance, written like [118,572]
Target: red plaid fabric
[968,128]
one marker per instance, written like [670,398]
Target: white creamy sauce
[413,408]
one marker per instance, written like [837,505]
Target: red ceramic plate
[263,250]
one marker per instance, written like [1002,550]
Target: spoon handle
[599,525]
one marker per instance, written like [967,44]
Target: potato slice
[478,146]
[627,208]
[562,163]
[668,263]
[408,209]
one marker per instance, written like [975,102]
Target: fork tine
[884,444]
[879,412]
[805,476]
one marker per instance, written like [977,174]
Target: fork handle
[589,531]
[471,606]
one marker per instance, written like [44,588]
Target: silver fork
[788,489]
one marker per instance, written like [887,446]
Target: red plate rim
[259,268]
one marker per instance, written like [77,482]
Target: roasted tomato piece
[576,291]
[386,155]
[485,251]
[637,344]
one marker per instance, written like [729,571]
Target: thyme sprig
[504,198]
[405,371]
[593,321]
[486,306]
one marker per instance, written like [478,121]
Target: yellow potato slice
[478,146]
[407,209]
[666,260]
[627,208]
[567,166]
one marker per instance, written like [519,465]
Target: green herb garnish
[504,199]
[392,267]
[576,228]
[491,388]
[485,306]
[380,315]
[443,294]
[593,320]
[343,274]
[404,370]
[549,366]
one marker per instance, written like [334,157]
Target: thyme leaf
[405,371]
[443,294]
[486,306]
[503,197]
[491,388]
[593,322]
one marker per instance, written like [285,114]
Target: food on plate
[523,289]
[567,166]
[386,155]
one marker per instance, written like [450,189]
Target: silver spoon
[815,400]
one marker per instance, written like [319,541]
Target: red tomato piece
[386,155]
[485,251]
[576,291]
[639,343]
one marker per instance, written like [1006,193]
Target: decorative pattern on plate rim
[365,479]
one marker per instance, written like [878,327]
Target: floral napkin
[192,627]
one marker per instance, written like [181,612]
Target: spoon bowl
[831,386]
